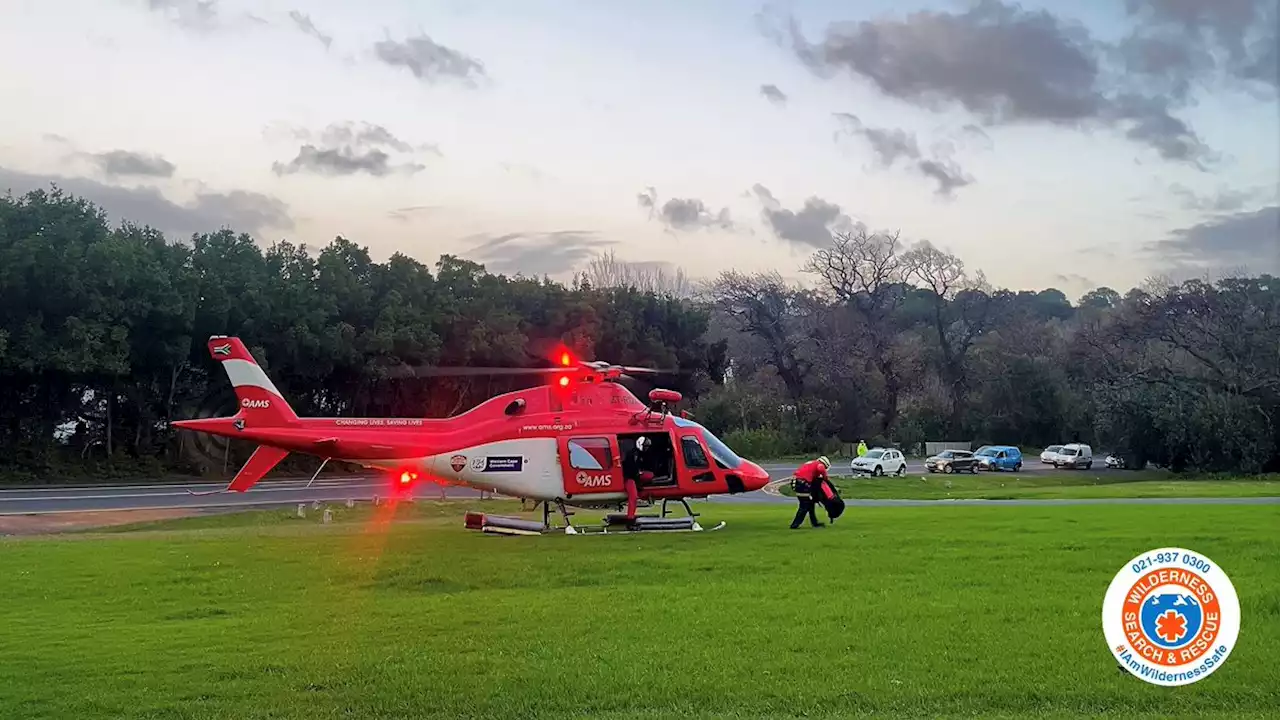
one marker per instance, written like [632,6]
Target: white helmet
[642,443]
[826,463]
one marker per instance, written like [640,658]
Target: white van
[1074,455]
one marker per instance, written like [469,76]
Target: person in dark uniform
[635,467]
[807,483]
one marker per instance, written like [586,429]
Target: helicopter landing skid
[634,528]
[612,524]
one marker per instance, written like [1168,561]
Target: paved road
[24,501]
[155,497]
[364,488]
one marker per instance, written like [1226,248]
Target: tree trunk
[110,402]
[892,389]
[173,389]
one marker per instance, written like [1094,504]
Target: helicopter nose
[754,477]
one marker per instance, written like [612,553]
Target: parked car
[1050,454]
[879,461]
[952,461]
[999,457]
[1114,461]
[1074,455]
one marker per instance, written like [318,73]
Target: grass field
[1058,485]
[903,612]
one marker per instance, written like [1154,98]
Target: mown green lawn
[902,612]
[1062,485]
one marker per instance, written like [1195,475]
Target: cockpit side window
[694,456]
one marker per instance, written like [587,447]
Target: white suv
[879,461]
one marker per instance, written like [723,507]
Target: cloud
[1007,65]
[1179,41]
[683,213]
[889,145]
[773,94]
[429,61]
[812,226]
[309,28]
[200,16]
[240,210]
[118,163]
[1223,200]
[341,161]
[648,199]
[405,214]
[947,173]
[892,144]
[1073,279]
[1249,240]
[350,148]
[691,213]
[536,254]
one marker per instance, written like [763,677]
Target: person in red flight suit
[807,483]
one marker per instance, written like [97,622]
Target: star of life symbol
[1171,616]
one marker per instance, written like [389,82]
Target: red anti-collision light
[565,359]
[564,381]
[407,477]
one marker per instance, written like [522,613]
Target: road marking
[167,486]
[199,506]
[184,493]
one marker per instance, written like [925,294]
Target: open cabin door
[591,464]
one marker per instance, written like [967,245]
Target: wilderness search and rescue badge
[1171,616]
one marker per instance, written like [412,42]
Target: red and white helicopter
[560,443]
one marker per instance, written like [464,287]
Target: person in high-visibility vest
[862,448]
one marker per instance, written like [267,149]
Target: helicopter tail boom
[259,399]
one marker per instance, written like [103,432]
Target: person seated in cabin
[635,470]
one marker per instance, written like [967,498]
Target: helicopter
[560,443]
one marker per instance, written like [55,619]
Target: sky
[1059,144]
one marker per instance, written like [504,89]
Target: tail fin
[259,399]
[260,463]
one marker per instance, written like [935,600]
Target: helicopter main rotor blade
[405,371]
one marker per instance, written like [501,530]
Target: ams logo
[592,481]
[255,404]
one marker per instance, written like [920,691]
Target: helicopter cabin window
[591,453]
[695,458]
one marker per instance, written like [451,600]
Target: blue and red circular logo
[1171,616]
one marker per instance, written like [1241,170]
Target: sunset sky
[1049,144]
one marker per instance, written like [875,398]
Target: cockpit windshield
[725,458]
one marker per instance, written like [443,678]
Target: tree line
[906,345]
[103,329]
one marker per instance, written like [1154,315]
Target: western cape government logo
[1171,616]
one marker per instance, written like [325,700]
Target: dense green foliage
[102,336]
[102,333]
[906,346]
